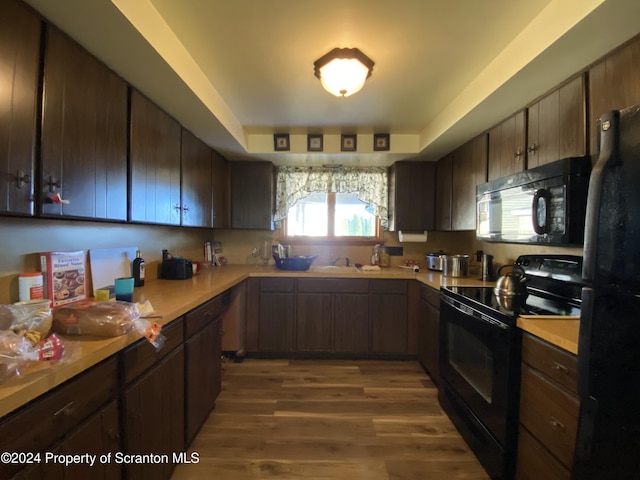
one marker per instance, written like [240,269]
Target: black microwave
[543,205]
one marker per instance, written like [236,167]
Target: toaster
[175,269]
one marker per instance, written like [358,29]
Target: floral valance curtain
[295,183]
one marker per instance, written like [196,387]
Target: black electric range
[554,287]
[480,354]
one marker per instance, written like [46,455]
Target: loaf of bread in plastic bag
[103,319]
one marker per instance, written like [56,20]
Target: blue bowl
[300,263]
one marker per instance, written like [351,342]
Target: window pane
[351,218]
[309,216]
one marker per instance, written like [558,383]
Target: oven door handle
[472,312]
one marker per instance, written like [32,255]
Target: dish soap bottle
[138,270]
[375,255]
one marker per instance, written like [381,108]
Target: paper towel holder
[412,237]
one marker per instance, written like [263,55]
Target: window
[332,204]
[331,215]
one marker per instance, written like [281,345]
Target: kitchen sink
[332,269]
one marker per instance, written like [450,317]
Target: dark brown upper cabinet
[412,196]
[221,200]
[84,134]
[614,84]
[507,147]
[556,127]
[19,58]
[469,170]
[197,194]
[252,195]
[444,197]
[154,164]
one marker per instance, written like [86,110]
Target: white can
[30,286]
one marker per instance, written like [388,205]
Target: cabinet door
[444,174]
[19,57]
[220,182]
[98,435]
[557,125]
[276,322]
[154,164]
[469,170]
[389,323]
[154,416]
[202,377]
[614,83]
[429,335]
[84,134]
[313,322]
[197,194]
[351,323]
[412,196]
[252,195]
[507,147]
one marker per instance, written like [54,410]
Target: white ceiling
[236,71]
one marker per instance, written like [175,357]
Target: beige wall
[21,239]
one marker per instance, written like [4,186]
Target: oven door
[478,364]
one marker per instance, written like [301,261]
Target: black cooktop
[553,288]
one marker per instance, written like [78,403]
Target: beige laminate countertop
[562,333]
[173,298]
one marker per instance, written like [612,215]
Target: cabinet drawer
[36,427]
[549,413]
[333,285]
[197,318]
[141,355]
[430,295]
[277,284]
[535,462]
[553,362]
[389,286]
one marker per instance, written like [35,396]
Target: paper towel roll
[412,237]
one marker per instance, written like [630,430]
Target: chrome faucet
[346,261]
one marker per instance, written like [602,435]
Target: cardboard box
[64,276]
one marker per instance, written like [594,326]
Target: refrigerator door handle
[608,132]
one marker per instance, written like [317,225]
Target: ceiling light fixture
[343,71]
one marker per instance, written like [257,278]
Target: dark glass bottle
[138,270]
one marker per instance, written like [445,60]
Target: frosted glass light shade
[343,71]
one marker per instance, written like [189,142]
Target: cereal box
[64,277]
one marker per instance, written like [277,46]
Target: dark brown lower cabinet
[154,412]
[203,353]
[351,323]
[276,321]
[313,322]
[389,311]
[429,331]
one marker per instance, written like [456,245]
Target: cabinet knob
[113,434]
[22,179]
[532,148]
[177,208]
[560,368]
[185,208]
[517,154]
[53,184]
[557,423]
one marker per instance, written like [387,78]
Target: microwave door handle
[541,194]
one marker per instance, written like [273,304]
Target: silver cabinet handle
[532,148]
[557,423]
[517,154]
[22,179]
[65,411]
[560,368]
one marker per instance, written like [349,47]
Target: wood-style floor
[327,419]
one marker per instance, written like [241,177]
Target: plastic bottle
[375,255]
[138,270]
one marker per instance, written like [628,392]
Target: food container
[435,261]
[299,263]
[456,265]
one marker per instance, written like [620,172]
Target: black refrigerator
[608,440]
